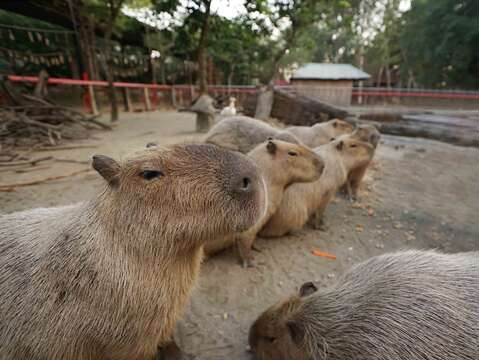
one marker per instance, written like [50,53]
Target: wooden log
[450,134]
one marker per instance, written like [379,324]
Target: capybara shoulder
[405,305]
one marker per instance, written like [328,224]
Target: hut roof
[325,71]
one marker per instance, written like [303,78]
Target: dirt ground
[418,194]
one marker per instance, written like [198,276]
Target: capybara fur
[321,133]
[407,305]
[243,134]
[370,134]
[281,164]
[301,201]
[108,278]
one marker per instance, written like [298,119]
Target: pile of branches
[30,120]
[43,125]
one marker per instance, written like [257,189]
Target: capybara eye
[151,174]
[332,139]
[271,339]
[353,145]
[292,153]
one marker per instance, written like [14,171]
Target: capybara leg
[170,351]
[245,244]
[349,189]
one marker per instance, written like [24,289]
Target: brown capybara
[407,305]
[243,134]
[301,201]
[108,278]
[281,164]
[321,133]
[370,134]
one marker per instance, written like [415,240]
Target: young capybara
[108,278]
[243,134]
[321,133]
[370,134]
[281,164]
[301,201]
[408,305]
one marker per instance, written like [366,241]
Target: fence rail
[182,94]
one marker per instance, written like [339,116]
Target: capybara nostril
[246,184]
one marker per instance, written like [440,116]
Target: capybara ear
[296,330]
[308,288]
[151,144]
[107,167]
[271,147]
[340,145]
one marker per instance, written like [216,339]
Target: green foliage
[441,42]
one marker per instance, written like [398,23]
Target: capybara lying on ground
[281,164]
[109,277]
[243,133]
[301,201]
[407,305]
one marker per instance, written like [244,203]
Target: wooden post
[94,108]
[192,92]
[146,94]
[173,96]
[128,105]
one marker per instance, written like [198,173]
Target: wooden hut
[329,83]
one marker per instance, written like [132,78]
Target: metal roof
[325,71]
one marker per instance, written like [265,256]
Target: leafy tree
[440,42]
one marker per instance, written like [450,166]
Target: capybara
[321,133]
[407,305]
[109,277]
[281,164]
[370,134]
[301,201]
[243,134]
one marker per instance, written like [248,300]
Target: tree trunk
[380,77]
[114,10]
[202,49]
[265,103]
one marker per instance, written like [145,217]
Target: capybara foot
[170,351]
[256,248]
[248,263]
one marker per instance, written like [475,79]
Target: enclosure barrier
[183,95]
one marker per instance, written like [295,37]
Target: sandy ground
[418,194]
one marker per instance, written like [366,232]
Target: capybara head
[184,193]
[337,127]
[278,334]
[355,153]
[297,163]
[367,133]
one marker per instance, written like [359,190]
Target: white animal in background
[229,110]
